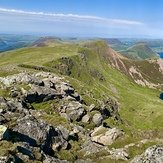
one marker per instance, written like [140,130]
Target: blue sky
[84,18]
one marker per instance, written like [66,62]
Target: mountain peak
[139,51]
[41,41]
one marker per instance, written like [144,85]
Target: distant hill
[115,43]
[139,51]
[155,44]
[42,41]
[112,41]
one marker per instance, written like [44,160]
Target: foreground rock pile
[152,154]
[42,116]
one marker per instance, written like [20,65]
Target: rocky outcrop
[49,159]
[38,133]
[4,159]
[118,154]
[74,110]
[152,154]
[105,136]
[36,139]
[37,90]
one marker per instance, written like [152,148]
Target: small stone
[97,119]
[91,107]
[3,132]
[86,119]
[3,159]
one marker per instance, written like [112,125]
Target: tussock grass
[36,55]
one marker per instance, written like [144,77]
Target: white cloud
[71,17]
[18,21]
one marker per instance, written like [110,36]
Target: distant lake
[8,44]
[160,54]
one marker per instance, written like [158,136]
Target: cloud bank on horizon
[19,21]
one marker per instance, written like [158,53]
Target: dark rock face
[38,133]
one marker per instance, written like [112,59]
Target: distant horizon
[90,37]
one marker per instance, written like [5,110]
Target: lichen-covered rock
[97,119]
[86,119]
[63,131]
[13,105]
[43,93]
[91,107]
[21,78]
[20,157]
[65,88]
[76,115]
[25,150]
[105,136]
[3,103]
[36,140]
[4,159]
[3,132]
[49,159]
[152,154]
[90,147]
[74,110]
[88,160]
[77,130]
[118,154]
[38,133]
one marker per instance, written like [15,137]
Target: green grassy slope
[140,106]
[115,44]
[36,55]
[89,68]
